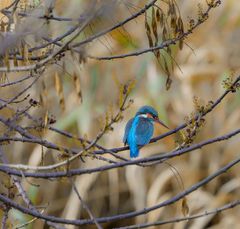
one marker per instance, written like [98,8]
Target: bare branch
[225,207]
[172,200]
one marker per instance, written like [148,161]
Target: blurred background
[209,55]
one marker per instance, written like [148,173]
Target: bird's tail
[134,151]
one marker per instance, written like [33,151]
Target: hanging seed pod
[164,33]
[169,81]
[154,26]
[157,54]
[77,85]
[161,20]
[180,26]
[148,32]
[59,90]
[185,207]
[170,8]
[180,44]
[158,15]
[173,17]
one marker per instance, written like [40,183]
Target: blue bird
[139,129]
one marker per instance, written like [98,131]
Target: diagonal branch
[163,45]
[84,204]
[170,201]
[225,207]
[11,169]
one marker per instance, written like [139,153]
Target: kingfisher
[139,129]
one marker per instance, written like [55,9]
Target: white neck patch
[142,115]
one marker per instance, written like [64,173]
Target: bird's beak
[161,123]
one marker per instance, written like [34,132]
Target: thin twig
[163,45]
[172,200]
[84,204]
[25,198]
[11,169]
[225,207]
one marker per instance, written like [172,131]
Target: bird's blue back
[138,132]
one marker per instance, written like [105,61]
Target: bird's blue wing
[144,132]
[127,129]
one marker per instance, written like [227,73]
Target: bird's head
[151,114]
